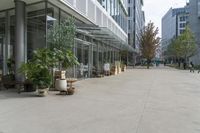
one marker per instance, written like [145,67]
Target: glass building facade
[136,23]
[173,24]
[118,10]
[38,18]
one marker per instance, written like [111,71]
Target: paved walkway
[137,101]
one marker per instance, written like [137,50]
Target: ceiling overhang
[105,35]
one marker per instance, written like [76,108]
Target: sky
[156,9]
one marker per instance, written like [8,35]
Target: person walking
[184,65]
[191,66]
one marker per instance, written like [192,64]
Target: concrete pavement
[160,100]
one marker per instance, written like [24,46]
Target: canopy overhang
[105,35]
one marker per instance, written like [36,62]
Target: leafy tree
[188,45]
[183,46]
[149,42]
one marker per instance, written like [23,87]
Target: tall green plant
[61,36]
[61,41]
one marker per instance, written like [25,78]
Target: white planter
[61,84]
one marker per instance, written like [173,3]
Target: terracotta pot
[71,91]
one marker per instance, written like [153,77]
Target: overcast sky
[155,10]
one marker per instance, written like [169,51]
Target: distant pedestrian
[184,65]
[191,66]
[164,63]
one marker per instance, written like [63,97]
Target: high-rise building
[173,24]
[194,23]
[136,22]
[101,30]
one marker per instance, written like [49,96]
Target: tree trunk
[148,63]
[179,63]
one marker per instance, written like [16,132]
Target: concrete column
[98,57]
[90,62]
[19,37]
[7,42]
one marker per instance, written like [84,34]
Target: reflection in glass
[36,28]
[2,35]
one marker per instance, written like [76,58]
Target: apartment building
[173,24]
[194,23]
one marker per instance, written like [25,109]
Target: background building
[173,24]
[136,22]
[101,30]
[194,23]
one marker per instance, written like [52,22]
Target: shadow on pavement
[13,93]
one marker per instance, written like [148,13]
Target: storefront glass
[36,28]
[2,41]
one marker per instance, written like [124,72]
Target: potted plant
[9,79]
[123,67]
[37,70]
[40,77]
[61,42]
[66,60]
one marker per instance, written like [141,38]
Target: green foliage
[197,67]
[183,46]
[37,74]
[174,49]
[44,57]
[59,54]
[61,41]
[188,47]
[61,36]
[37,69]
[10,64]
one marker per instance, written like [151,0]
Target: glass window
[129,24]
[108,6]
[12,34]
[129,11]
[182,18]
[36,27]
[64,16]
[182,25]
[52,16]
[181,31]
[2,37]
[112,7]
[129,38]
[95,60]
[104,3]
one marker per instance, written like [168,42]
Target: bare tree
[149,42]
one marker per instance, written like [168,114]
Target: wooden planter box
[123,68]
[114,70]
